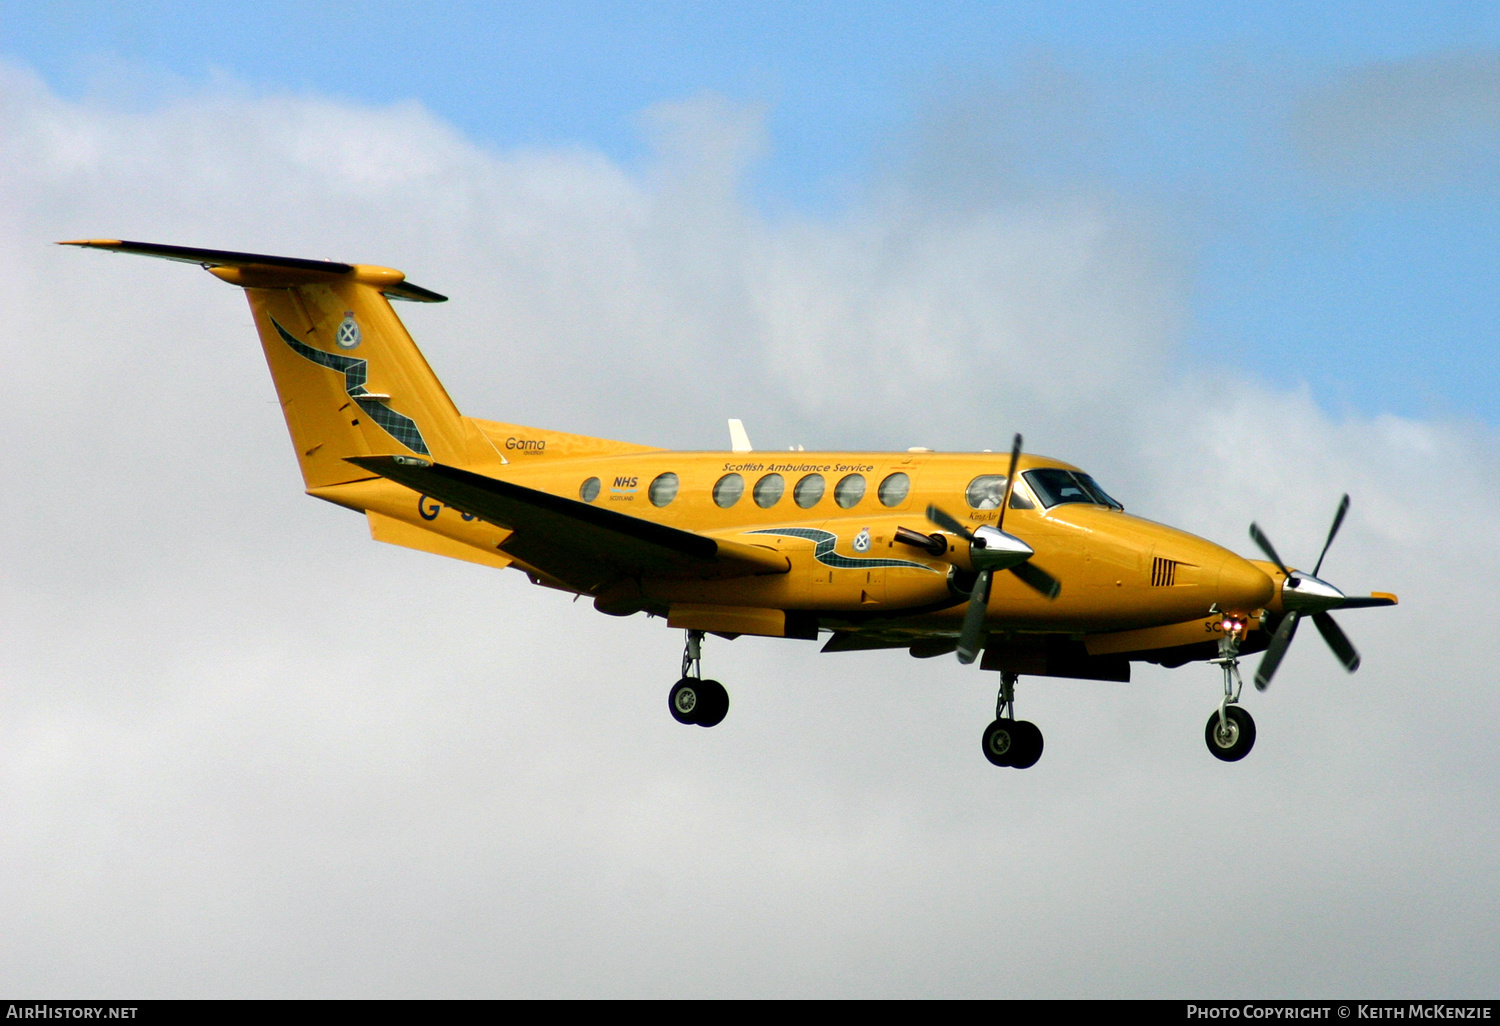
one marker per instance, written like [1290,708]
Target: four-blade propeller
[991,549]
[1305,595]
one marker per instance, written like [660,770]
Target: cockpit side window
[1055,486]
[988,491]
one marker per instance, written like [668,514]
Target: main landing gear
[1009,741]
[692,699]
[1230,732]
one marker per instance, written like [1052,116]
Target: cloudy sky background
[1234,265]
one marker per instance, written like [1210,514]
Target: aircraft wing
[581,545]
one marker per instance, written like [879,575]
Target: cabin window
[768,490]
[808,491]
[663,489]
[893,489]
[728,491]
[849,490]
[589,490]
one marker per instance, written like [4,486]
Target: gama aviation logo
[347,336]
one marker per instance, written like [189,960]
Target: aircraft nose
[1242,586]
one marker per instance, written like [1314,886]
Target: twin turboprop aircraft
[1024,564]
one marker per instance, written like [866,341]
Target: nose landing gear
[1009,741]
[693,700]
[1230,732]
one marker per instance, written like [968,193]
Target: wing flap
[582,545]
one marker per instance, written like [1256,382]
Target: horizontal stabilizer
[261,271]
[582,545]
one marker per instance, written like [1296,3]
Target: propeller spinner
[991,550]
[1305,595]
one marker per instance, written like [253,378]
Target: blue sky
[1379,293]
[1380,299]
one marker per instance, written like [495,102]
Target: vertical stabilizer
[351,381]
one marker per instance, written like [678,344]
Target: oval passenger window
[663,489]
[808,491]
[768,490]
[590,490]
[893,489]
[728,491]
[849,490]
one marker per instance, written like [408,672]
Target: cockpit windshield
[1055,486]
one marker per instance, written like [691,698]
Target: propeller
[1305,595]
[991,549]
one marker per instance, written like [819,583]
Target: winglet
[258,270]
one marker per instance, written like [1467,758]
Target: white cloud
[243,750]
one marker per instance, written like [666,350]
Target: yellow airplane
[1033,568]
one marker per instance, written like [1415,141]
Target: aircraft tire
[1239,740]
[713,703]
[1026,744]
[998,742]
[684,699]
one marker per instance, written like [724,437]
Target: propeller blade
[1010,481]
[1274,651]
[1366,601]
[972,638]
[1038,579]
[1337,641]
[1034,576]
[1259,537]
[1338,519]
[949,523]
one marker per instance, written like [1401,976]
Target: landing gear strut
[1230,732]
[693,700]
[1009,741]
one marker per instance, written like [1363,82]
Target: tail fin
[350,380]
